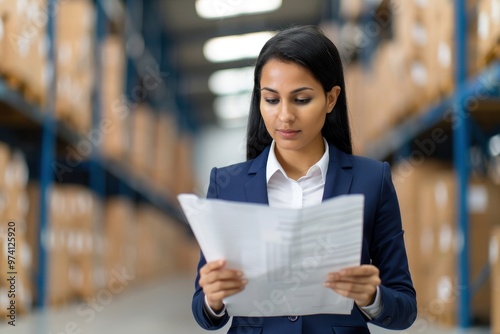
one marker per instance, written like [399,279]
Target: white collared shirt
[284,192]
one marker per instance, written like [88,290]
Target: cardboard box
[164,168]
[418,231]
[427,197]
[184,170]
[141,152]
[351,9]
[354,80]
[24,47]
[75,66]
[488,31]
[71,241]
[439,214]
[120,230]
[4,161]
[115,111]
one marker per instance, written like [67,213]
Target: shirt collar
[273,164]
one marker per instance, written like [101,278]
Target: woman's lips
[288,134]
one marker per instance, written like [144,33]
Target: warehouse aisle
[163,307]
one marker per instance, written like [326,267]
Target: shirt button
[293,318]
[386,321]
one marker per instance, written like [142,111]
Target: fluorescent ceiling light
[495,145]
[231,81]
[236,47]
[214,9]
[232,107]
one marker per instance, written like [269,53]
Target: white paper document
[285,254]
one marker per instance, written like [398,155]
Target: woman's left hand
[358,283]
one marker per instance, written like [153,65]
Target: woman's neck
[297,163]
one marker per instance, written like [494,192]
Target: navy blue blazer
[383,245]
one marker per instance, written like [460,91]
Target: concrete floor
[162,307]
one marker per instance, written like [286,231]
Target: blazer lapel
[256,188]
[338,179]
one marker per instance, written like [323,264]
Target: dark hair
[309,47]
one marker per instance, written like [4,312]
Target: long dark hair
[310,48]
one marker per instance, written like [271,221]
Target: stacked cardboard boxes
[184,165]
[141,152]
[13,215]
[164,150]
[72,241]
[488,31]
[24,59]
[425,31]
[24,45]
[120,230]
[428,204]
[412,70]
[115,109]
[159,240]
[75,66]
[414,35]
[355,88]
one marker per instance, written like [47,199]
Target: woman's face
[294,105]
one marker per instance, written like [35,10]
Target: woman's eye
[272,101]
[302,101]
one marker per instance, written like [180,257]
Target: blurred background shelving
[109,108]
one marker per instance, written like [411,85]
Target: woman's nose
[286,113]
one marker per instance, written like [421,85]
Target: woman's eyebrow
[292,92]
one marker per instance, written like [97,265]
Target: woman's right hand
[218,283]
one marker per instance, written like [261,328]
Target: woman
[299,152]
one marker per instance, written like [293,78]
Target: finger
[351,287]
[220,275]
[363,270]
[213,265]
[223,286]
[338,278]
[220,295]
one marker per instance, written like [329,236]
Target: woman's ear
[331,98]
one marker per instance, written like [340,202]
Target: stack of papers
[285,254]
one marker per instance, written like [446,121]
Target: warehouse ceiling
[189,32]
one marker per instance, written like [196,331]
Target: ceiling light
[236,47]
[232,107]
[495,145]
[231,81]
[214,9]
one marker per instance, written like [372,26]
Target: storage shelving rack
[103,176]
[464,126]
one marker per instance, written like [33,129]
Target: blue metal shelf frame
[48,157]
[97,172]
[461,145]
[484,85]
